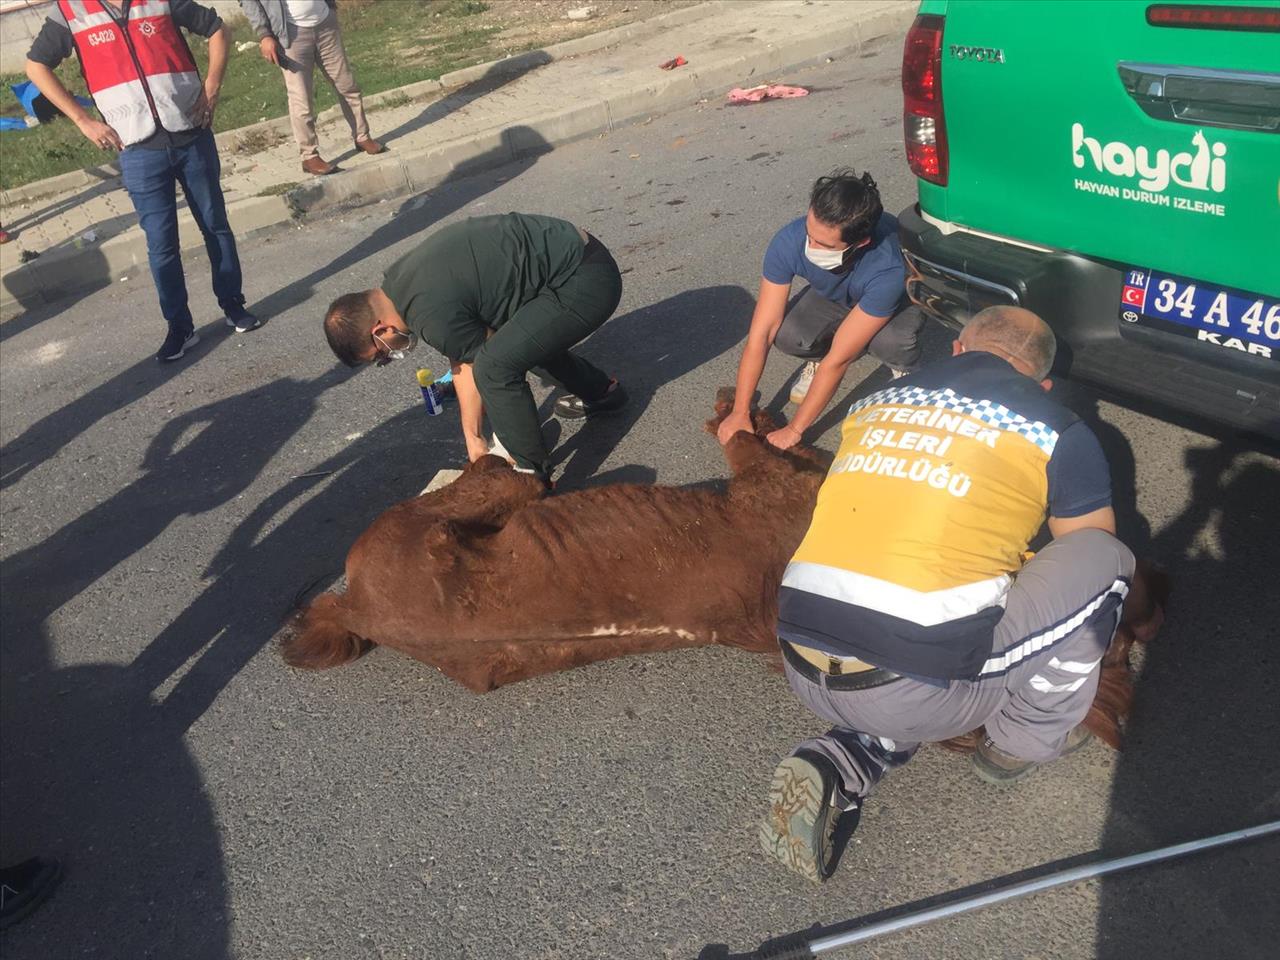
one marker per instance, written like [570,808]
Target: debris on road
[766,91]
[581,13]
[674,62]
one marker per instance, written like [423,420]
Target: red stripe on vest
[159,46]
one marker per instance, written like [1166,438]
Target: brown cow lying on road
[491,583]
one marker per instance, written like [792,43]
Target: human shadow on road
[93,775]
[495,78]
[48,435]
[95,768]
[259,577]
[91,771]
[1200,751]
[183,475]
[646,349]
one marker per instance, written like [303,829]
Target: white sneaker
[804,380]
[896,374]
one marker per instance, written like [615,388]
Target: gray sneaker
[800,828]
[804,380]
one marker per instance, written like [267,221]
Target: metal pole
[798,947]
[839,940]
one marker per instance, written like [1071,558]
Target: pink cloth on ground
[774,91]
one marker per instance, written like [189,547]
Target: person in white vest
[295,35]
[158,113]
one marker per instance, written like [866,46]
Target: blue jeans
[150,176]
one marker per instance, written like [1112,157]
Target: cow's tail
[319,637]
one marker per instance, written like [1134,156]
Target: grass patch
[276,189]
[255,141]
[463,8]
[389,44]
[390,102]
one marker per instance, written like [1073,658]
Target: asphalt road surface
[158,524]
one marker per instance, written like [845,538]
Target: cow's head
[746,447]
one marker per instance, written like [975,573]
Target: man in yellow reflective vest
[910,613]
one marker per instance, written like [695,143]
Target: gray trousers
[808,327]
[1061,613]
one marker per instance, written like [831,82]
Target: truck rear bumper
[953,276]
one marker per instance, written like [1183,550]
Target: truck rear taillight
[1205,17]
[923,125]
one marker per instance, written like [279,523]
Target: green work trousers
[537,339]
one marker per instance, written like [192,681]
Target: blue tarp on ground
[37,105]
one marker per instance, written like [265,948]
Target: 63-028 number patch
[1232,319]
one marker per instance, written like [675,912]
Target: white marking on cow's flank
[613,630]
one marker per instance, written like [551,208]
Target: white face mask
[825,259]
[411,341]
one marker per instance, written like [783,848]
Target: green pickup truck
[1114,167]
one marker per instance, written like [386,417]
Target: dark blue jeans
[150,177]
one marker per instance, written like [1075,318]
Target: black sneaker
[25,886]
[242,320]
[800,828]
[570,407]
[999,767]
[176,344]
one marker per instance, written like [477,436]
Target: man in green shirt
[499,296]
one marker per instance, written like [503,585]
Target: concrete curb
[63,271]
[228,140]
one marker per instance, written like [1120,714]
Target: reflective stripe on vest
[119,83]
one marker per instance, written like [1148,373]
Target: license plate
[1216,316]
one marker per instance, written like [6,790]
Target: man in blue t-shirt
[846,249]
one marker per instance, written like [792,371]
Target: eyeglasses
[385,356]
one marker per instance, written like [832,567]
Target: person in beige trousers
[295,35]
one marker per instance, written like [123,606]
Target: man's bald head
[1014,334]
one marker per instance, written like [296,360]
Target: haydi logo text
[1202,168]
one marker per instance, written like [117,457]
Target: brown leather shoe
[370,146]
[317,166]
[999,767]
